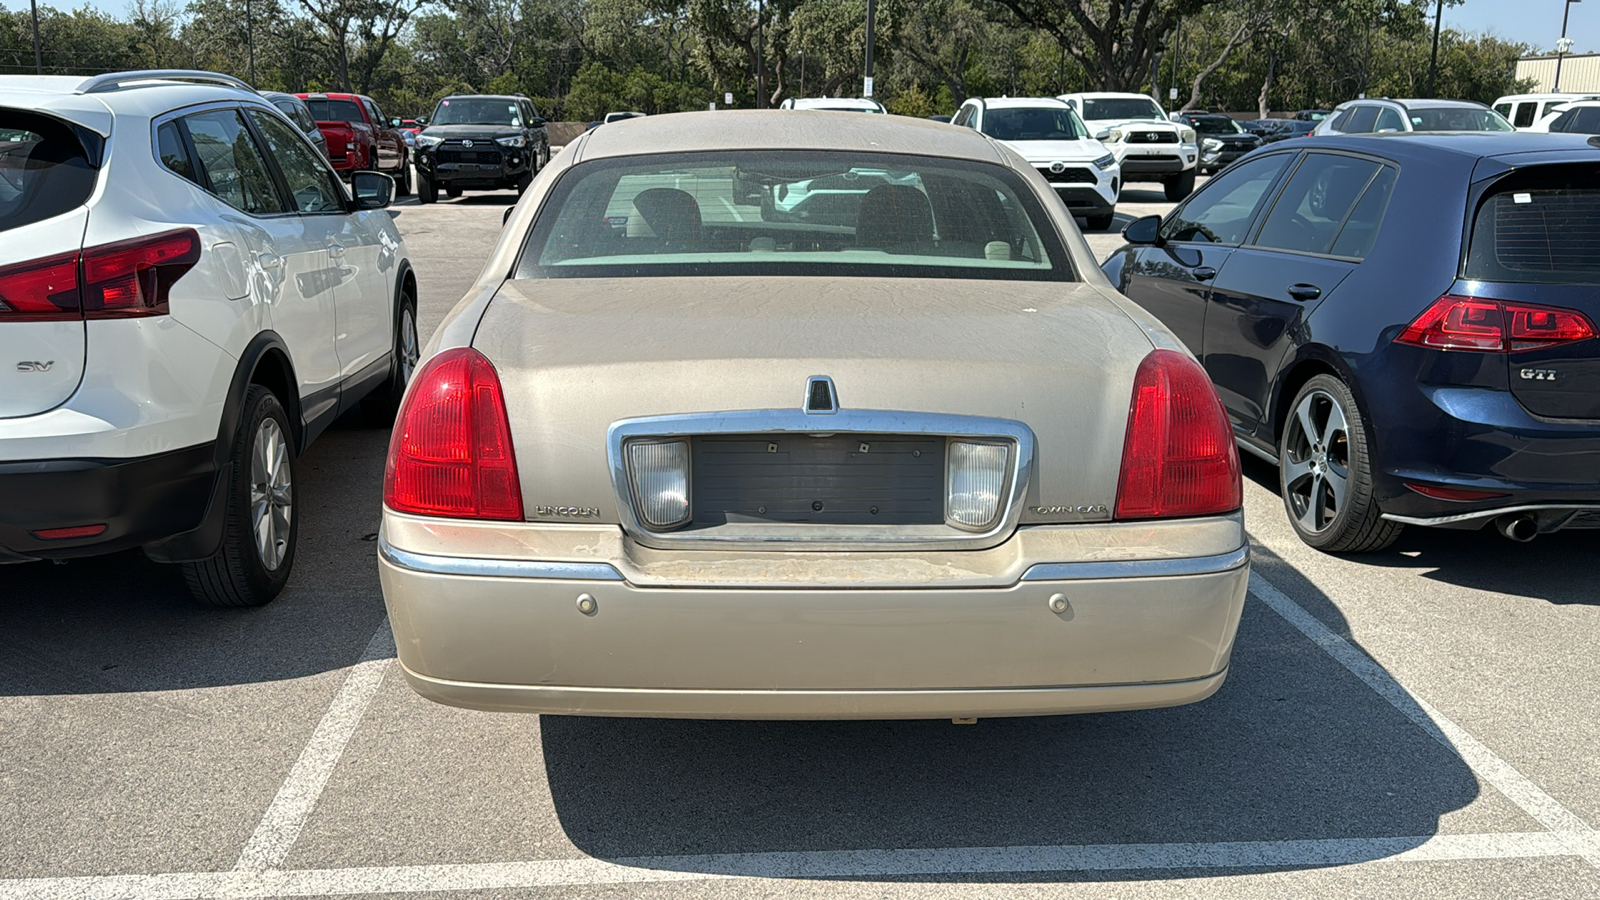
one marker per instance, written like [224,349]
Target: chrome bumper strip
[496,568]
[1491,513]
[1139,568]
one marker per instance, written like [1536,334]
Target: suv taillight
[450,454]
[112,281]
[1179,458]
[1494,326]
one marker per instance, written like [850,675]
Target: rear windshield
[1122,108]
[793,213]
[44,170]
[1458,118]
[1539,227]
[334,110]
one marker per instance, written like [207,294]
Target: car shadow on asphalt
[1293,747]
[121,623]
[1553,567]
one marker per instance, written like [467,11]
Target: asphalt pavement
[1419,722]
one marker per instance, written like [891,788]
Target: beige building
[1580,72]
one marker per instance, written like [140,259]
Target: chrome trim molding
[1255,451]
[495,568]
[1139,568]
[779,537]
[1488,513]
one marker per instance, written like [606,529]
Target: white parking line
[298,795]
[845,864]
[255,874]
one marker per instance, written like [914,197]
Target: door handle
[336,251]
[268,260]
[1304,291]
[1203,273]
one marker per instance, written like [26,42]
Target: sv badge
[31,365]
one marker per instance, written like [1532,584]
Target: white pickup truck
[1147,145]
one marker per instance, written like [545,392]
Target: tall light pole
[1433,64]
[250,39]
[1563,45]
[38,58]
[761,59]
[866,86]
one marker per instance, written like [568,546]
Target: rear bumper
[1087,200]
[138,500]
[577,636]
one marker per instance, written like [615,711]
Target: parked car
[1222,140]
[297,112]
[836,104]
[194,297]
[1289,128]
[1524,111]
[481,142]
[408,129]
[359,138]
[1582,117]
[1141,137]
[925,465]
[1051,137]
[619,116]
[1312,115]
[1261,128]
[1404,324]
[1379,116]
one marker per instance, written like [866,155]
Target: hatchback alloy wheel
[1316,474]
[271,494]
[409,351]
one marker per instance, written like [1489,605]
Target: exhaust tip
[1520,528]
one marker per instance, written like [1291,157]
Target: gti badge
[31,365]
[1539,374]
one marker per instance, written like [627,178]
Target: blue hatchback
[1403,323]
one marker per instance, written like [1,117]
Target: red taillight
[450,454]
[133,278]
[1459,495]
[1494,326]
[1179,458]
[128,278]
[40,290]
[72,531]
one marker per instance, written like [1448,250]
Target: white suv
[1051,137]
[1148,145]
[188,296]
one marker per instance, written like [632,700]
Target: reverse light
[112,281]
[658,473]
[975,482]
[1178,458]
[1105,162]
[450,453]
[1494,326]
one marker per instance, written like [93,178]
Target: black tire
[379,408]
[1310,462]
[452,191]
[1099,223]
[523,180]
[238,574]
[1180,186]
[402,182]
[427,192]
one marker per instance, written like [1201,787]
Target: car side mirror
[1143,231]
[422,120]
[373,190]
[1103,135]
[536,122]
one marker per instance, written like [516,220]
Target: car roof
[1022,103]
[1564,95]
[760,129]
[1434,145]
[850,102]
[1111,95]
[1418,103]
[64,95]
[485,97]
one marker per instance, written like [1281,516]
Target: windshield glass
[793,213]
[1046,123]
[325,110]
[1122,108]
[1216,125]
[43,170]
[1458,118]
[479,111]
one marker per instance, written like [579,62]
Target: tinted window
[373,111]
[1389,120]
[1458,118]
[1122,108]
[1221,213]
[1539,226]
[1503,109]
[1525,113]
[1360,231]
[1341,120]
[1311,208]
[232,162]
[963,116]
[44,171]
[1362,120]
[1583,120]
[793,213]
[325,110]
[311,185]
[174,153]
[1041,124]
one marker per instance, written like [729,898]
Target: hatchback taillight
[1494,326]
[111,281]
[1179,458]
[450,454]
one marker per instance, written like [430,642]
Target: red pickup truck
[359,137]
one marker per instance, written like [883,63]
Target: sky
[1536,22]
